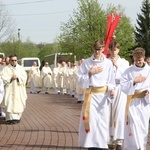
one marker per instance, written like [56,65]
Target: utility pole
[19,34]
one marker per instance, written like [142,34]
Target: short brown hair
[98,43]
[114,44]
[138,52]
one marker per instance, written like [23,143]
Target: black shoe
[78,101]
[10,122]
[16,121]
[33,92]
[58,92]
[94,148]
[38,91]
[46,93]
[118,147]
[72,95]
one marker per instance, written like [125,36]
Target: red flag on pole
[112,22]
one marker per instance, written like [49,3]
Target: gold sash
[130,98]
[87,101]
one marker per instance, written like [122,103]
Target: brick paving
[50,122]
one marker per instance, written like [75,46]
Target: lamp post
[19,34]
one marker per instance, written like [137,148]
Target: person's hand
[114,61]
[112,93]
[139,79]
[146,92]
[14,77]
[95,69]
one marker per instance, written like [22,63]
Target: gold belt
[87,101]
[130,98]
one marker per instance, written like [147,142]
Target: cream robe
[34,78]
[136,132]
[15,91]
[1,69]
[62,75]
[100,103]
[72,81]
[46,77]
[1,90]
[67,74]
[55,77]
[79,91]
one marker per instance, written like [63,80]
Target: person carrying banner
[119,102]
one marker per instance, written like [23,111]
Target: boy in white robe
[1,90]
[14,78]
[96,76]
[119,102]
[136,84]
[2,114]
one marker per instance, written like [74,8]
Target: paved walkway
[50,122]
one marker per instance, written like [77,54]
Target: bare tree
[6,24]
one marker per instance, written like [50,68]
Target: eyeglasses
[99,48]
[13,60]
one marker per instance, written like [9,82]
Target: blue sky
[39,20]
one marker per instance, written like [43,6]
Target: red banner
[112,22]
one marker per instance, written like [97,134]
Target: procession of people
[114,94]
[116,100]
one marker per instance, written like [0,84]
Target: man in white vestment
[79,91]
[46,75]
[56,78]
[63,76]
[119,102]
[135,83]
[34,79]
[14,78]
[68,76]
[95,74]
[72,79]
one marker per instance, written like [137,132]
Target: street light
[19,34]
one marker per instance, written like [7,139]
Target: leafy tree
[87,24]
[46,49]
[9,48]
[31,50]
[142,33]
[21,49]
